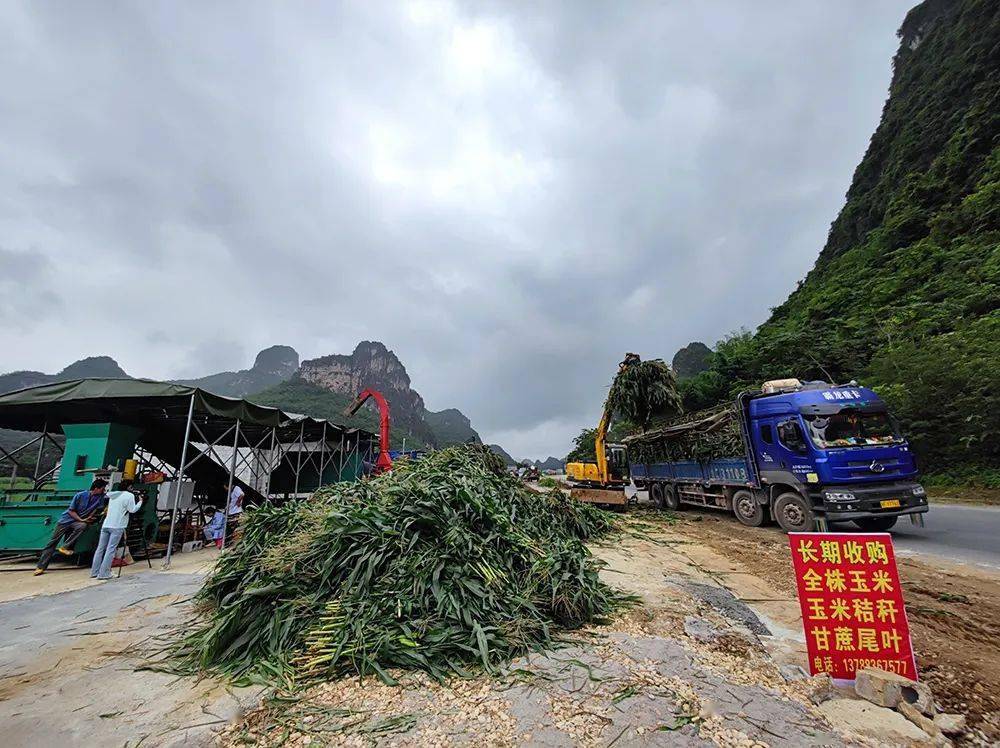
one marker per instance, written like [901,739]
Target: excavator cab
[617,463]
[587,478]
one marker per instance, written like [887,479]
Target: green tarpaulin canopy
[160,411]
[147,404]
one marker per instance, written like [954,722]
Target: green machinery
[27,518]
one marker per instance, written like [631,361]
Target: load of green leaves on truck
[644,392]
[706,435]
[444,563]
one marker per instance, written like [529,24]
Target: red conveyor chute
[384,461]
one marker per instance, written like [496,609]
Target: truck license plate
[890,504]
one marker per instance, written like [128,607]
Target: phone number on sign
[900,667]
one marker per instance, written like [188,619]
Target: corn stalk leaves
[644,391]
[445,563]
[703,436]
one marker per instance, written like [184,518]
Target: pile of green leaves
[707,435]
[644,391]
[443,563]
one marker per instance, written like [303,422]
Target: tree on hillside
[583,445]
[692,359]
[905,296]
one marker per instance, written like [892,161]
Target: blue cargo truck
[812,453]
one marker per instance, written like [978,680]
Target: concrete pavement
[67,669]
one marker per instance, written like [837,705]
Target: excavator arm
[603,475]
[604,490]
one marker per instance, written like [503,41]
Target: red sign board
[852,603]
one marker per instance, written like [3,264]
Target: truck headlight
[839,496]
[919,491]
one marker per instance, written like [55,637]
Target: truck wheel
[876,524]
[748,510]
[670,500]
[793,513]
[656,494]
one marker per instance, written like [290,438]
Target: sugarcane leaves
[484,649]
[644,392]
[703,436]
[447,564]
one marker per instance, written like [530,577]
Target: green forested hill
[451,426]
[298,396]
[905,295]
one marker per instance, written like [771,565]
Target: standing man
[235,502]
[120,505]
[82,513]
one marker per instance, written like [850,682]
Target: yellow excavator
[602,482]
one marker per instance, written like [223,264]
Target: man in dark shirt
[82,513]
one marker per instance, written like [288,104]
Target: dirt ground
[953,610]
[708,657]
[69,653]
[17,581]
[964,495]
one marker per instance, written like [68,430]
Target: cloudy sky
[509,195]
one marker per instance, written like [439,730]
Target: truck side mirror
[791,436]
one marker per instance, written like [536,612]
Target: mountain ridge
[84,368]
[271,366]
[905,293]
[322,386]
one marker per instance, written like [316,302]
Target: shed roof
[146,403]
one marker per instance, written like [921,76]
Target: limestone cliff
[375,366]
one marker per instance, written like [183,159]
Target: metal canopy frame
[38,478]
[226,441]
[250,463]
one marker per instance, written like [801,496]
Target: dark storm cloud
[509,195]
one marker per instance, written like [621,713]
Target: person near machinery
[215,528]
[121,504]
[83,511]
[235,502]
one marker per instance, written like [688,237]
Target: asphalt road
[969,534]
[957,532]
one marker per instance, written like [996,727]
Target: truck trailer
[804,454]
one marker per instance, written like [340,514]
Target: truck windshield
[852,428]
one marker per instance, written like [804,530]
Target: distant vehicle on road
[812,453]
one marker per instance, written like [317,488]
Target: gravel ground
[620,688]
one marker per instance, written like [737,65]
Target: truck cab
[833,453]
